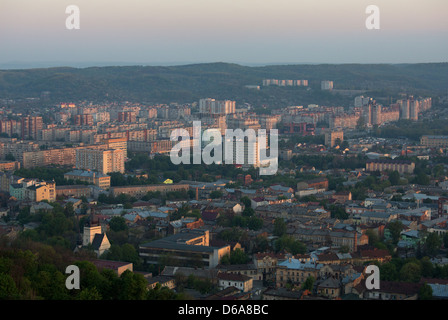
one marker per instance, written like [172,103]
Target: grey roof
[329,283]
[439,290]
[86,173]
[97,240]
[178,242]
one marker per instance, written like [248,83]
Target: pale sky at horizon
[240,31]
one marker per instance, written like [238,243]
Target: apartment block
[431,141]
[92,177]
[17,148]
[332,137]
[140,191]
[212,106]
[101,160]
[326,85]
[390,165]
[31,127]
[41,191]
[62,157]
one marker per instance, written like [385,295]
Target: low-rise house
[282,294]
[249,270]
[419,214]
[167,282]
[266,264]
[240,281]
[294,272]
[342,196]
[370,254]
[199,273]
[336,271]
[390,290]
[40,207]
[372,217]
[330,288]
[229,293]
[439,288]
[118,266]
[350,282]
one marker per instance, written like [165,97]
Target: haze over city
[156,32]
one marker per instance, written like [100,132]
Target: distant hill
[188,83]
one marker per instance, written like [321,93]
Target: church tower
[91,228]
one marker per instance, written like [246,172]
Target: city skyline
[246,32]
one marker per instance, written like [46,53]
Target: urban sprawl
[92,184]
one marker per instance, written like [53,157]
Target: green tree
[433,244]
[427,267]
[69,210]
[117,224]
[8,289]
[410,272]
[308,284]
[395,228]
[246,201]
[394,178]
[373,237]
[236,256]
[216,194]
[279,227]
[388,272]
[132,286]
[422,179]
[248,212]
[89,294]
[445,240]
[425,292]
[255,223]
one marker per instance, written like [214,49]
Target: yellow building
[117,143]
[333,137]
[41,191]
[390,165]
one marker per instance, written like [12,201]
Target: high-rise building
[127,116]
[83,119]
[212,106]
[333,137]
[404,109]
[413,109]
[116,143]
[10,127]
[361,101]
[31,127]
[326,85]
[102,160]
[376,115]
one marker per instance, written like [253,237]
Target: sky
[249,32]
